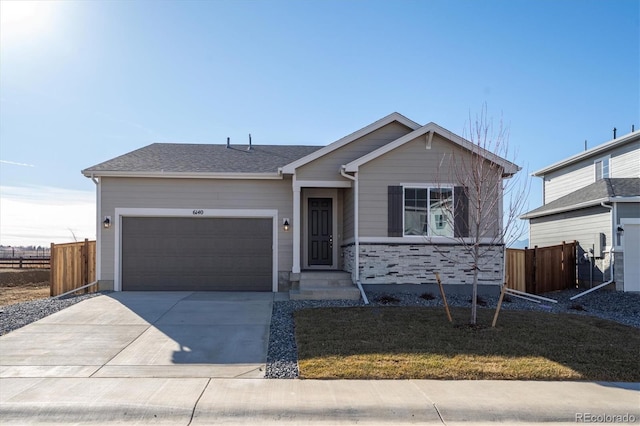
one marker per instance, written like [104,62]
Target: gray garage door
[187,254]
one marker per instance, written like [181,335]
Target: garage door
[631,256]
[196,254]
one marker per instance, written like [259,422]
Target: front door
[320,250]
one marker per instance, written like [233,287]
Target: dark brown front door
[320,232]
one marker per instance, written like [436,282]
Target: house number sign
[198,212]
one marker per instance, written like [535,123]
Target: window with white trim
[428,211]
[602,168]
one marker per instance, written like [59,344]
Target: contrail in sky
[13,163]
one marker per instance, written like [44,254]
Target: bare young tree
[485,209]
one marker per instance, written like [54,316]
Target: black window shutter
[394,224]
[461,212]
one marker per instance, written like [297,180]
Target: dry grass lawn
[23,286]
[419,343]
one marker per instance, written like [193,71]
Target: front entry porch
[318,269]
[325,285]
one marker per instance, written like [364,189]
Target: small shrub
[427,296]
[387,299]
[506,299]
[480,301]
[577,307]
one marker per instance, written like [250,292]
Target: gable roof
[290,168]
[592,152]
[188,160]
[509,168]
[603,190]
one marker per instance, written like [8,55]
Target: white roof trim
[291,167]
[585,204]
[509,167]
[181,175]
[578,206]
[597,150]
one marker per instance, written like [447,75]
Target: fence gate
[72,265]
[542,269]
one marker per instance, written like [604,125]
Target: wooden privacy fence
[542,269]
[515,269]
[73,265]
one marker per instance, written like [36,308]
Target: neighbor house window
[428,211]
[602,168]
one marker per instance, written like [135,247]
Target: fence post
[51,270]
[563,266]
[534,271]
[85,263]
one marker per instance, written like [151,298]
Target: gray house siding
[624,163]
[194,194]
[580,225]
[412,260]
[583,226]
[348,214]
[410,163]
[328,166]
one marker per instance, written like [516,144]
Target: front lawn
[419,343]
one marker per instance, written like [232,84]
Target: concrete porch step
[325,285]
[324,293]
[318,279]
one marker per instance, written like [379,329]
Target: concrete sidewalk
[184,401]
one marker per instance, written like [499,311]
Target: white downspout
[611,257]
[98,228]
[297,228]
[356,238]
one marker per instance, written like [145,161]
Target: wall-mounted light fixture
[107,222]
[620,230]
[285,224]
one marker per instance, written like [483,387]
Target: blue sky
[82,82]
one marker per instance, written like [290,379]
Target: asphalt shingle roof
[601,189]
[201,158]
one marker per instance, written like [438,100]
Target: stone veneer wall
[417,264]
[618,270]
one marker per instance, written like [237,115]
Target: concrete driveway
[146,334]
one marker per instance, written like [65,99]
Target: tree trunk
[474,291]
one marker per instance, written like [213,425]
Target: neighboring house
[256,217]
[594,198]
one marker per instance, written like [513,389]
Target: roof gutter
[599,201]
[356,238]
[564,209]
[183,175]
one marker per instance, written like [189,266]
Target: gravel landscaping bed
[18,315]
[282,357]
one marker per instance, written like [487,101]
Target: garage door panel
[195,254]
